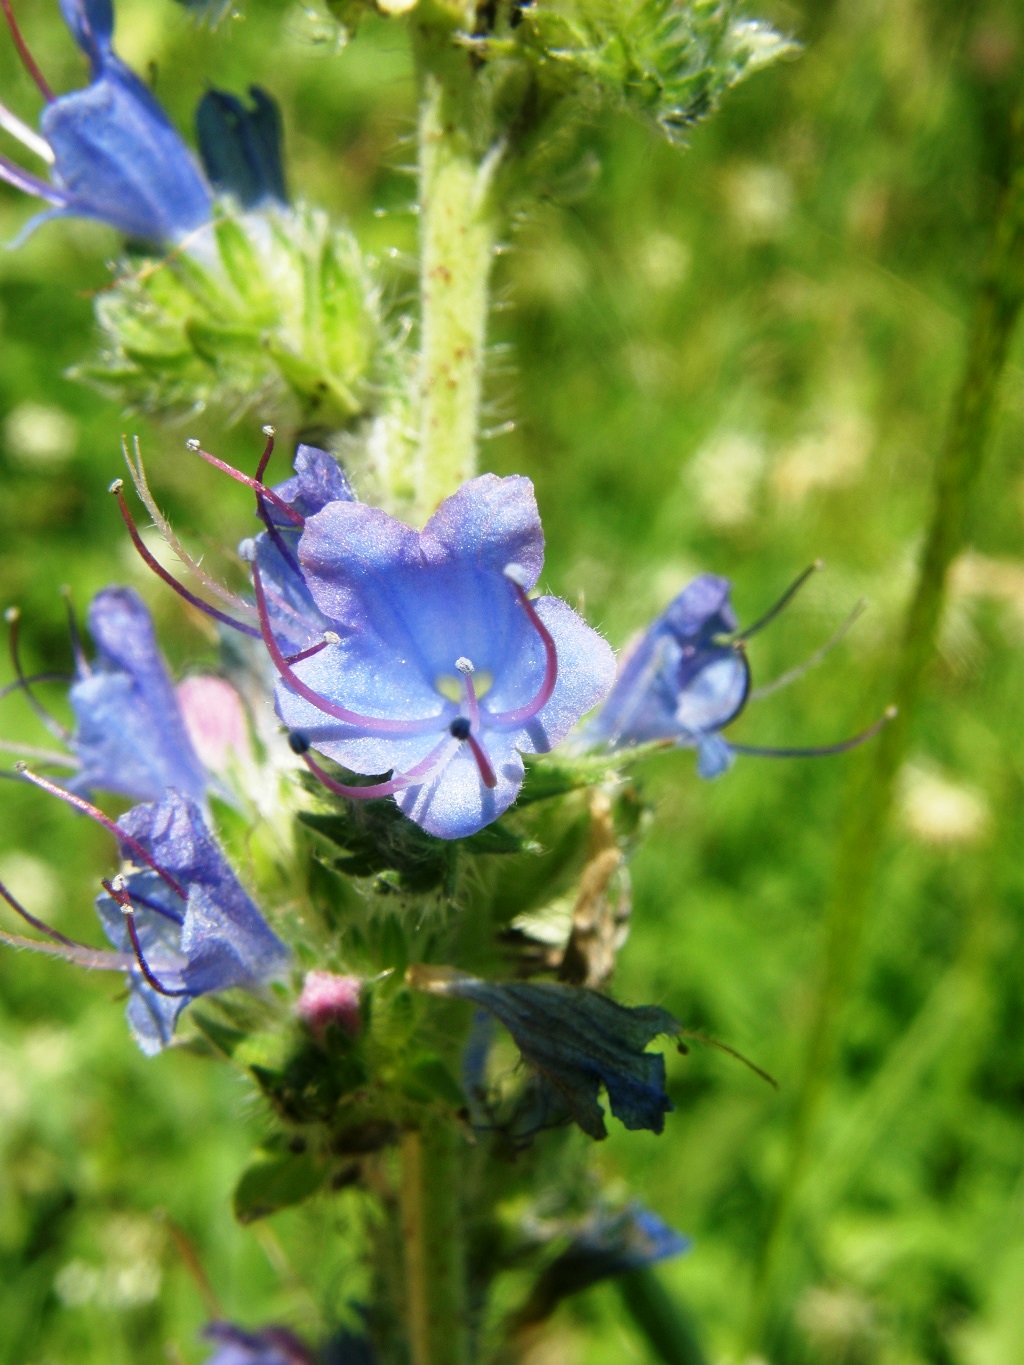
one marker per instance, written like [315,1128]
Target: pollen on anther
[465,665]
[116,487]
[331,637]
[193,444]
[268,430]
[515,573]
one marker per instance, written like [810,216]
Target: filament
[117,488]
[824,751]
[39,924]
[27,60]
[111,826]
[121,896]
[13,618]
[524,713]
[792,674]
[782,603]
[381,725]
[260,489]
[416,775]
[28,137]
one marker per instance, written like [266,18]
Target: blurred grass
[735,360]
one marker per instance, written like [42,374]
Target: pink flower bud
[330,999]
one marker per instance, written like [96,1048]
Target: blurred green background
[736,359]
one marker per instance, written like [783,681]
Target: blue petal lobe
[241,147]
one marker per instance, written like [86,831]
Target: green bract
[276,305]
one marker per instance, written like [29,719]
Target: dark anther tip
[298,743]
[460,728]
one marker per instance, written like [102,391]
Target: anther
[331,637]
[516,573]
[460,728]
[464,665]
[116,889]
[268,430]
[193,443]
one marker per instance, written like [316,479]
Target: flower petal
[456,803]
[488,523]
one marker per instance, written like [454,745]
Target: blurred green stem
[432,1235]
[458,225]
[999,298]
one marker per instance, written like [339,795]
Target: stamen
[82,666]
[138,474]
[117,488]
[43,928]
[111,826]
[792,674]
[825,750]
[487,773]
[514,574]
[465,667]
[60,731]
[27,60]
[19,683]
[117,889]
[330,638]
[28,137]
[416,775]
[31,184]
[783,602]
[379,725]
[269,432]
[100,959]
[260,489]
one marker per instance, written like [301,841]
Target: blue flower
[114,155]
[683,682]
[688,678]
[432,662]
[179,920]
[576,1041]
[131,737]
[271,1346]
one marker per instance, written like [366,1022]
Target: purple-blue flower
[430,660]
[683,682]
[113,153]
[180,922]
[688,677]
[130,736]
[270,1346]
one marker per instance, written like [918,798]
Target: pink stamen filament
[487,773]
[117,488]
[379,725]
[416,775]
[268,450]
[260,489]
[43,928]
[100,959]
[524,713]
[27,60]
[111,826]
[307,653]
[124,900]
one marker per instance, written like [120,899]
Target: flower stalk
[434,1258]
[458,228]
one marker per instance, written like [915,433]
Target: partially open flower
[181,924]
[687,678]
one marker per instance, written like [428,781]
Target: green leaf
[276,1182]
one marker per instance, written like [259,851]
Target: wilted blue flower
[271,1346]
[180,922]
[606,1245]
[242,148]
[688,677]
[433,663]
[131,737]
[576,1040]
[114,155]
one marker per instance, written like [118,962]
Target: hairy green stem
[432,1233]
[458,226]
[999,299]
